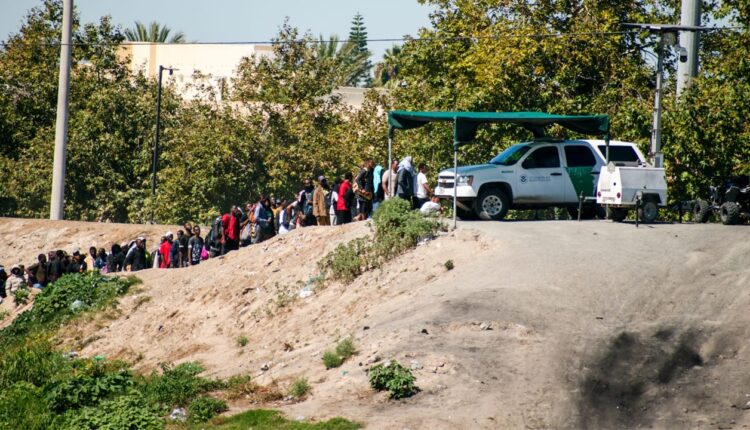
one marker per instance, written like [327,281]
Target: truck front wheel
[492,204]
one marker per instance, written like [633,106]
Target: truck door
[540,177]
[582,170]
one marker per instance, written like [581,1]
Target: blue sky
[244,20]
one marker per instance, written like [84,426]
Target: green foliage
[299,389]
[177,385]
[4,313]
[121,413]
[22,406]
[29,360]
[398,228]
[242,341]
[332,360]
[449,265]
[204,408]
[260,419]
[52,307]
[155,32]
[21,295]
[88,383]
[394,378]
[345,348]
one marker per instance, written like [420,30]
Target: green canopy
[465,123]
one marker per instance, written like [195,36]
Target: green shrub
[4,313]
[21,296]
[398,380]
[398,228]
[299,388]
[33,361]
[449,265]
[177,386]
[345,348]
[22,406]
[125,412]
[52,307]
[262,419]
[242,341]
[331,359]
[204,408]
[88,383]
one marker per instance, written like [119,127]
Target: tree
[348,58]
[155,33]
[386,71]
[358,36]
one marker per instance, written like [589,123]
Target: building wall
[217,62]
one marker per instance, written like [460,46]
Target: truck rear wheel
[729,213]
[648,211]
[701,211]
[492,204]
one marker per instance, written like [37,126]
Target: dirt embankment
[539,325]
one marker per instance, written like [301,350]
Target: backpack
[216,233]
[329,199]
[308,206]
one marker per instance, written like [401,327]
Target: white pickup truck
[534,175]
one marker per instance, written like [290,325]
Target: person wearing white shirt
[423,188]
[431,207]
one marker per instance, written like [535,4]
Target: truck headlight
[465,180]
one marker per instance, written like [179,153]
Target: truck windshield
[511,155]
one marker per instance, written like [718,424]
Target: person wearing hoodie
[378,193]
[164,250]
[405,180]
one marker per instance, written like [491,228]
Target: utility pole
[156,140]
[690,15]
[57,201]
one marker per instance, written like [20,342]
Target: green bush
[345,348]
[331,359]
[204,408]
[122,413]
[398,228]
[299,388]
[178,385]
[242,341]
[88,383]
[23,406]
[449,265]
[52,307]
[33,361]
[21,296]
[398,380]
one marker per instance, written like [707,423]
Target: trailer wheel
[492,204]
[729,213]
[648,211]
[588,212]
[701,211]
[617,214]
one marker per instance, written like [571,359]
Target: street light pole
[57,199]
[155,163]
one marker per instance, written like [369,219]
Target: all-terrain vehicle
[730,200]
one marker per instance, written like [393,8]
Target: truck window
[579,156]
[620,153]
[511,155]
[544,157]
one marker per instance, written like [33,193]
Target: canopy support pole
[455,184]
[390,149]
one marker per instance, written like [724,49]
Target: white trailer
[622,188]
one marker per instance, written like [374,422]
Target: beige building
[215,63]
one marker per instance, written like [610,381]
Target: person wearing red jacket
[231,224]
[164,248]
[344,203]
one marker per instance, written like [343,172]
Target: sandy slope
[593,324]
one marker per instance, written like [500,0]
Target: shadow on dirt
[633,373]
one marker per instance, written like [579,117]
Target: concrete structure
[215,63]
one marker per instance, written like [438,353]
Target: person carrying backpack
[195,246]
[215,238]
[405,180]
[305,203]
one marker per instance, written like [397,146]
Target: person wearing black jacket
[136,257]
[365,190]
[115,260]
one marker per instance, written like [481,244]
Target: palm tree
[155,33]
[349,59]
[387,70]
